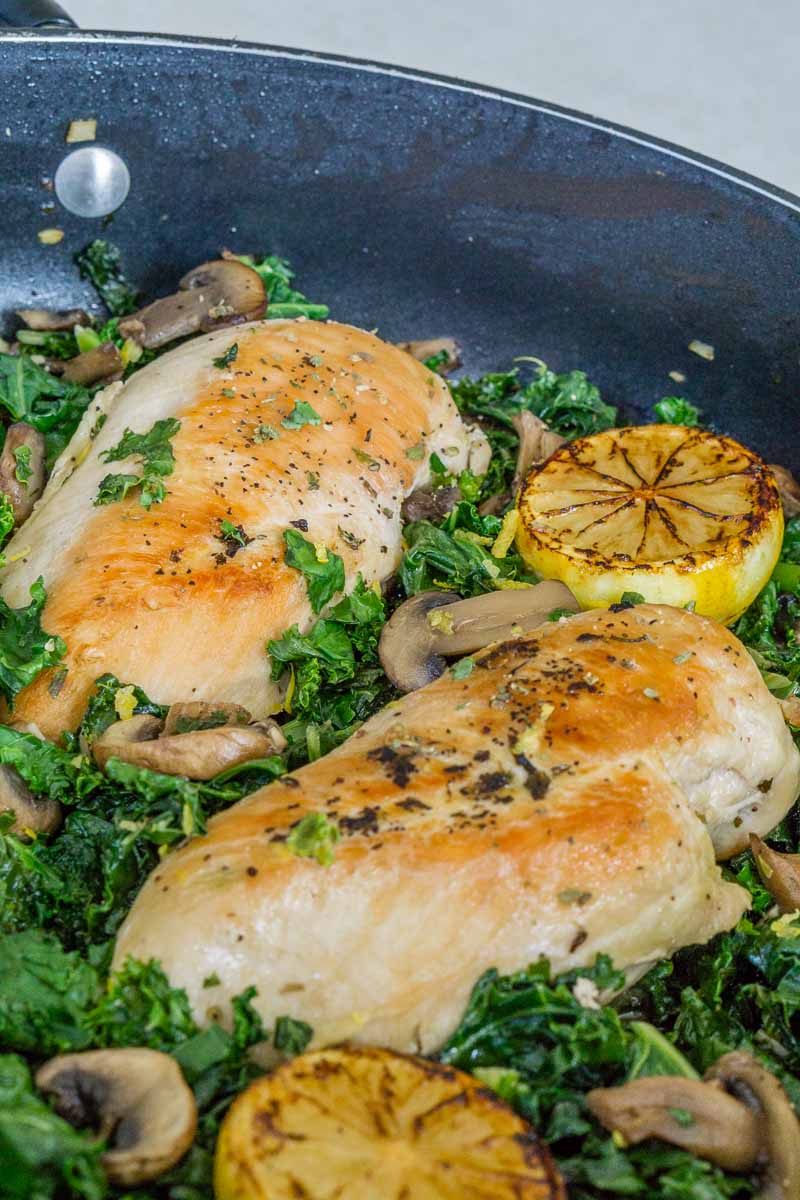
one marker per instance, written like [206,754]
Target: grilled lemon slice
[679,515]
[360,1123]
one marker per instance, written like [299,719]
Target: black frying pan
[416,204]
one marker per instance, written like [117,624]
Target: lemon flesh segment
[356,1123]
[680,515]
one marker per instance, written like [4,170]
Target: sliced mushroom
[430,347]
[31,815]
[698,1117]
[536,443]
[44,321]
[101,362]
[23,494]
[215,294]
[789,489]
[434,625]
[429,504]
[135,1099]
[116,740]
[779,1129]
[201,754]
[780,874]
[192,715]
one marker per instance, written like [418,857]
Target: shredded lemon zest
[287,700]
[321,552]
[124,702]
[512,585]
[19,554]
[530,740]
[508,530]
[442,620]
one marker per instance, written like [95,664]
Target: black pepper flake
[365,822]
[399,765]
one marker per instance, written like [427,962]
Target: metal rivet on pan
[92,181]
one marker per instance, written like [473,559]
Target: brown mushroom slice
[31,815]
[429,347]
[536,443]
[191,715]
[789,489]
[45,321]
[780,874]
[101,362]
[23,493]
[696,1116]
[198,755]
[779,1129]
[115,741]
[432,626]
[135,1099]
[215,294]
[430,504]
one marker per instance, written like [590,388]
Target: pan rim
[751,183]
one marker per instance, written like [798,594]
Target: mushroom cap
[778,1126]
[780,874]
[31,815]
[44,320]
[217,293]
[414,642]
[23,494]
[721,1129]
[134,1097]
[186,715]
[198,754]
[101,362]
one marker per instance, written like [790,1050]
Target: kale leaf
[102,708]
[154,448]
[282,299]
[25,648]
[100,263]
[43,1157]
[457,555]
[323,570]
[51,405]
[769,627]
[674,410]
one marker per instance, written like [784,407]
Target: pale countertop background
[718,76]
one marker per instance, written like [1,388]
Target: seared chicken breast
[568,797]
[320,427]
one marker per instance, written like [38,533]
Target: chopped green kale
[25,648]
[22,459]
[456,555]
[282,299]
[230,356]
[100,263]
[314,836]
[323,570]
[673,410]
[51,405]
[302,414]
[292,1037]
[154,448]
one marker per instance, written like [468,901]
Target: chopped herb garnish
[673,410]
[302,414]
[154,449]
[100,263]
[233,535]
[22,458]
[265,433]
[324,578]
[314,836]
[291,1036]
[416,453]
[228,357]
[463,668]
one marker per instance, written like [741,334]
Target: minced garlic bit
[530,739]
[586,992]
[50,237]
[125,702]
[677,376]
[702,349]
[441,619]
[785,926]
[320,552]
[651,693]
[505,537]
[619,1139]
[82,130]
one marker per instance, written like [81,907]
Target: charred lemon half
[356,1123]
[681,516]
